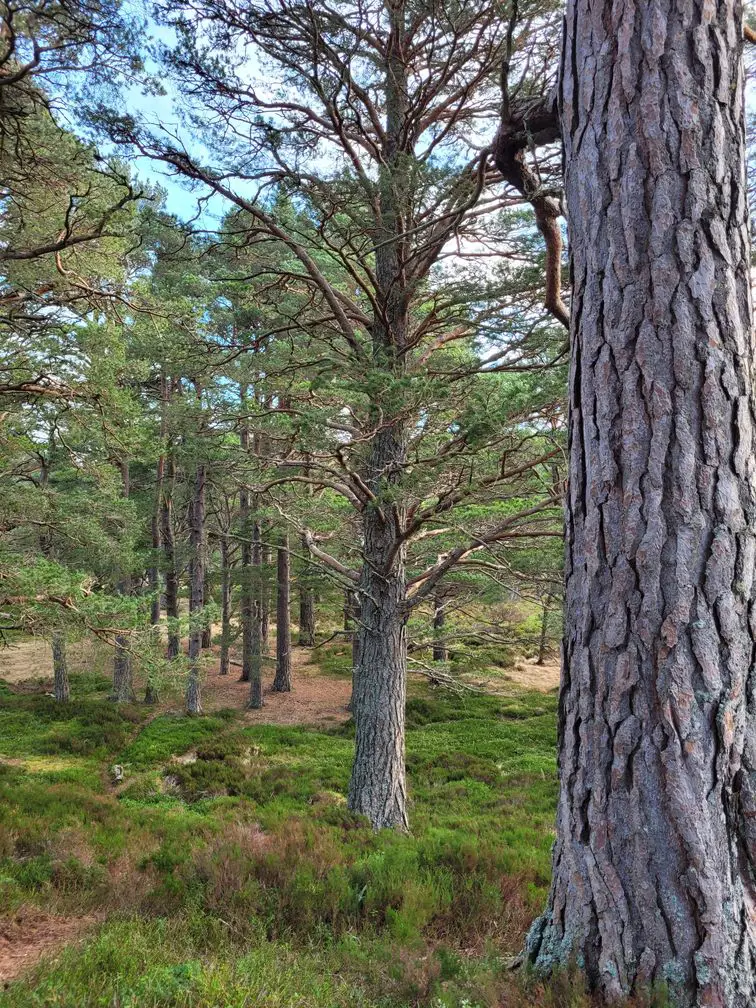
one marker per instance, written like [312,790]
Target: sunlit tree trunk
[654,861]
[377,787]
[282,681]
[61,687]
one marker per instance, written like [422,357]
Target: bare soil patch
[315,699]
[535,677]
[30,934]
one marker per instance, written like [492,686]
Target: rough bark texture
[196,593]
[282,681]
[656,828]
[377,787]
[225,648]
[60,668]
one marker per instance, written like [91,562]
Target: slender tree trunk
[123,680]
[348,609]
[544,628]
[306,610]
[253,626]
[655,856]
[439,619]
[153,575]
[356,623]
[169,554]
[60,668]
[225,657]
[282,681]
[207,597]
[266,559]
[196,593]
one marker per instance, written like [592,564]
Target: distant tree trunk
[306,610]
[169,554]
[544,628]
[254,658]
[123,680]
[282,681]
[655,857]
[153,574]
[207,597]
[348,612]
[60,668]
[225,657]
[266,559]
[196,592]
[439,619]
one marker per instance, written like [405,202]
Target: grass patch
[253,883]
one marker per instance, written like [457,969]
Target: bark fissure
[654,860]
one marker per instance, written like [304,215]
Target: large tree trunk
[225,648]
[654,860]
[377,788]
[169,554]
[123,679]
[196,593]
[60,668]
[282,681]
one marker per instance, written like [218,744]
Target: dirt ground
[535,677]
[29,935]
[315,699]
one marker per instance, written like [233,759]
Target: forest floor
[224,870]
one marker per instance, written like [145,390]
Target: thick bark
[60,668]
[282,681]
[439,619]
[169,559]
[653,878]
[225,648]
[196,593]
[123,679]
[377,787]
